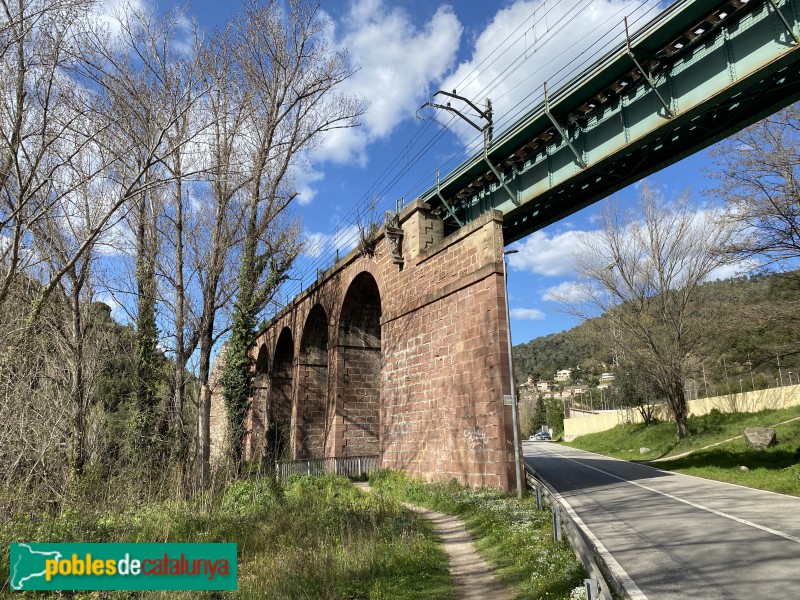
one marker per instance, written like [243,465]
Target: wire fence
[349,466]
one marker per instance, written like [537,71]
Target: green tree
[539,414]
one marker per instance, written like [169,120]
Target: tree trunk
[681,411]
[77,388]
[147,429]
[203,456]
[176,410]
[203,460]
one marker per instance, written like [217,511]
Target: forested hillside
[760,326]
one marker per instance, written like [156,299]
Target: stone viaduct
[400,352]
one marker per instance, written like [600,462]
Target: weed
[512,534]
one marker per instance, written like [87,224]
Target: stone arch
[359,341]
[258,404]
[279,406]
[312,385]
[262,360]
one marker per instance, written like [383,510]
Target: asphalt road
[672,536]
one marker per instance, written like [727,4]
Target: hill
[759,328]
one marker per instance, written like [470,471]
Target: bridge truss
[699,72]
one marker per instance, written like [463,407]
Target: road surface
[672,536]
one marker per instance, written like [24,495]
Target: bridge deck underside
[741,70]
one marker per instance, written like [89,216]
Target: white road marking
[786,536]
[630,587]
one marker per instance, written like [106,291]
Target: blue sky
[406,50]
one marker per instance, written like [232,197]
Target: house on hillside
[576,390]
[544,386]
[563,375]
[607,377]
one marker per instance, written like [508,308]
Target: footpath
[472,575]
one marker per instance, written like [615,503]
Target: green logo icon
[35,566]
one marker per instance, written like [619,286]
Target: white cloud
[736,269]
[318,243]
[533,41]
[569,291]
[527,314]
[545,254]
[397,62]
[305,177]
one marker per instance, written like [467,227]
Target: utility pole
[514,411]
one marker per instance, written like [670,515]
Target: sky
[406,50]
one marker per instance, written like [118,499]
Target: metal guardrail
[597,586]
[349,466]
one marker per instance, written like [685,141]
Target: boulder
[759,438]
[743,469]
[644,450]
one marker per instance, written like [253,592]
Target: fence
[751,401]
[350,466]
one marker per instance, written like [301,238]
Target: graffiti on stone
[476,436]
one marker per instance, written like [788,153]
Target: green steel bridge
[700,71]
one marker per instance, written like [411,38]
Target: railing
[350,466]
[597,585]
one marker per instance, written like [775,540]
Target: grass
[775,469]
[513,535]
[310,538]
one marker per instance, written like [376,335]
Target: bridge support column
[421,229]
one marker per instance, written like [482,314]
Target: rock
[759,438]
[644,450]
[743,469]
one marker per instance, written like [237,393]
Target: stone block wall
[417,360]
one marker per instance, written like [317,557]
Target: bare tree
[292,73]
[211,248]
[147,77]
[55,238]
[39,107]
[645,268]
[759,177]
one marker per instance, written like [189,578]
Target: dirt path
[472,575]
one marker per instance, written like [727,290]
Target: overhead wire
[344,223]
[475,69]
[391,174]
[477,140]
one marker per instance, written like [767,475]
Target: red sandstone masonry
[430,401]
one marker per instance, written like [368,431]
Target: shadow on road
[551,468]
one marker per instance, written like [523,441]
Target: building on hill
[544,386]
[607,377]
[563,375]
[576,390]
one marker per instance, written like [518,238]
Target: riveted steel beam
[445,203]
[560,130]
[783,19]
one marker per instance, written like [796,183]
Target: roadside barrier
[596,585]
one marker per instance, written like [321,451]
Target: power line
[421,142]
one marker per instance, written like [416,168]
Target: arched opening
[312,386]
[279,407]
[258,404]
[360,346]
